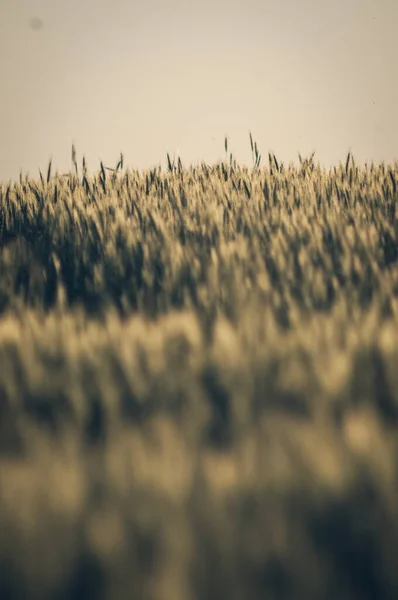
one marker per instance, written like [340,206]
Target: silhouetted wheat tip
[347,162]
[49,171]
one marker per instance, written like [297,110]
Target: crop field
[199,382]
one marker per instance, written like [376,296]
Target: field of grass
[199,383]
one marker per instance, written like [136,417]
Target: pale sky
[155,76]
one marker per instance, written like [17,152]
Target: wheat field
[199,382]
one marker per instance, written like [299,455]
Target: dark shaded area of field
[199,384]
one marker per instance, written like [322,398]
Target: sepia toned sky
[155,76]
